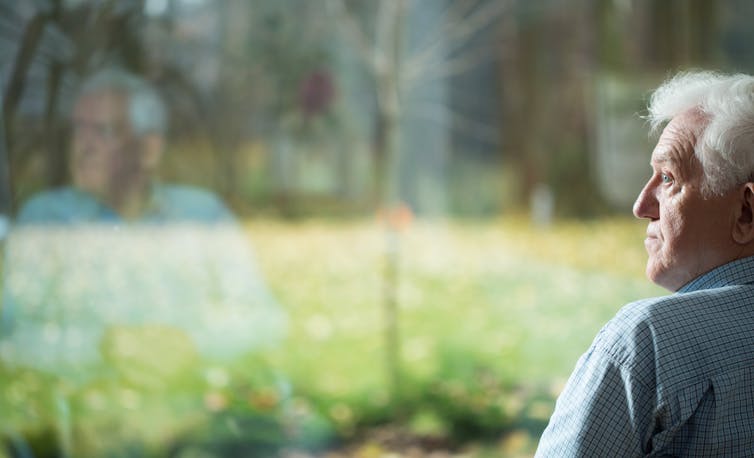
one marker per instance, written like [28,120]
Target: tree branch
[354,32]
[24,57]
[458,26]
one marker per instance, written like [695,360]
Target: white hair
[146,110]
[725,147]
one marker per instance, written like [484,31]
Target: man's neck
[133,202]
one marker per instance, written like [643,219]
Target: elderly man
[674,376]
[120,277]
[119,122]
[118,248]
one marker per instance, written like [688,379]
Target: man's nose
[83,138]
[646,204]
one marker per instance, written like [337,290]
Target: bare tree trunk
[522,110]
[393,73]
[387,61]
[392,17]
[56,140]
[26,50]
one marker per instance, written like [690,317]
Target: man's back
[667,376]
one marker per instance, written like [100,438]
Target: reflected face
[687,234]
[105,153]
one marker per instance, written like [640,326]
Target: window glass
[294,228]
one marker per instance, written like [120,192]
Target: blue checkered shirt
[668,376]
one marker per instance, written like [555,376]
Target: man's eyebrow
[663,160]
[667,156]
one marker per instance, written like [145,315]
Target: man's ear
[152,148]
[743,228]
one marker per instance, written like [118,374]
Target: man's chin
[88,182]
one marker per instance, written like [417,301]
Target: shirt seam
[624,365]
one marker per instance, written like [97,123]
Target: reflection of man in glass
[120,273]
[118,127]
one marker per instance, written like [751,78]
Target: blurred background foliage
[332,107]
[431,185]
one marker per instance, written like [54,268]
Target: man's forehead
[101,104]
[677,143]
[669,155]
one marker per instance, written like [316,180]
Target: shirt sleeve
[603,411]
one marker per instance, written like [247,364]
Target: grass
[492,317]
[501,300]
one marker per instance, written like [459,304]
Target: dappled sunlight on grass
[502,297]
[492,317]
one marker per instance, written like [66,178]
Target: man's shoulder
[193,203]
[649,311]
[669,328]
[683,311]
[182,191]
[630,331]
[54,206]
[656,315]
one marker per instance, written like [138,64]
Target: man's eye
[106,131]
[666,178]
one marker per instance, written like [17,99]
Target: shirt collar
[738,272]
[101,211]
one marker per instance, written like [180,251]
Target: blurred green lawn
[492,318]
